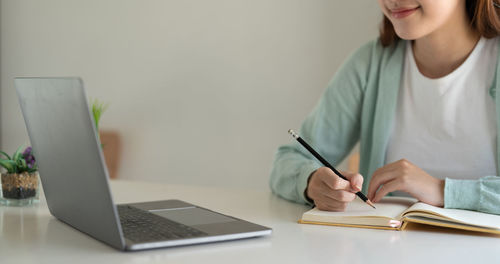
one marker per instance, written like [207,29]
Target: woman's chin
[409,34]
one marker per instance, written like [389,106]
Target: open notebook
[396,212]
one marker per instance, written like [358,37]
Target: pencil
[320,158]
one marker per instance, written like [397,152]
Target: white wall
[202,91]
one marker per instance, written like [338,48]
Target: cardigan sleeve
[481,195]
[332,128]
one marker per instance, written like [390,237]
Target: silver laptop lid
[71,165]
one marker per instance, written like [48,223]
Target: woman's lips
[403,12]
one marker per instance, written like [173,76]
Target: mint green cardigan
[359,105]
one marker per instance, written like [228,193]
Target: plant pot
[19,188]
[111,147]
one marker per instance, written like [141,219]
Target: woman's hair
[483,15]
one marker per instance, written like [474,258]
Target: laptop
[76,185]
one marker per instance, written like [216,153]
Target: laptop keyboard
[142,226]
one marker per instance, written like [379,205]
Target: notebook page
[461,216]
[389,207]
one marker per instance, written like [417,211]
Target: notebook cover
[348,225]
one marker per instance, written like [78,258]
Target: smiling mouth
[403,12]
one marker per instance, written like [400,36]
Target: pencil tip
[370,204]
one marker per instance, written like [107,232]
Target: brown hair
[483,15]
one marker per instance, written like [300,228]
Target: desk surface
[32,235]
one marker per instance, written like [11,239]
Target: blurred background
[199,92]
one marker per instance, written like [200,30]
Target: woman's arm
[479,195]
[332,128]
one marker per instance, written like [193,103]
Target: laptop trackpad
[192,216]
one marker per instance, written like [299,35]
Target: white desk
[32,235]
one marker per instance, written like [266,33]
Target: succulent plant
[20,161]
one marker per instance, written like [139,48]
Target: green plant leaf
[21,165]
[5,154]
[18,154]
[32,170]
[9,165]
[97,109]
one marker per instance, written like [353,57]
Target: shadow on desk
[65,238]
[44,235]
[18,228]
[68,239]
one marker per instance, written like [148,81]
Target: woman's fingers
[380,177]
[355,179]
[332,193]
[330,204]
[403,175]
[388,187]
[333,181]
[341,196]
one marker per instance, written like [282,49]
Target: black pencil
[316,155]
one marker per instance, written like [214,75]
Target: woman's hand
[330,192]
[404,176]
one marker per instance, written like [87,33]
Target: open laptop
[75,178]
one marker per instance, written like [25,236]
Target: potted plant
[98,109]
[110,139]
[20,184]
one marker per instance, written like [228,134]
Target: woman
[421,100]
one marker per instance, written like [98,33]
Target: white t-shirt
[447,126]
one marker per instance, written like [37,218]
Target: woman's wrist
[311,201]
[440,199]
